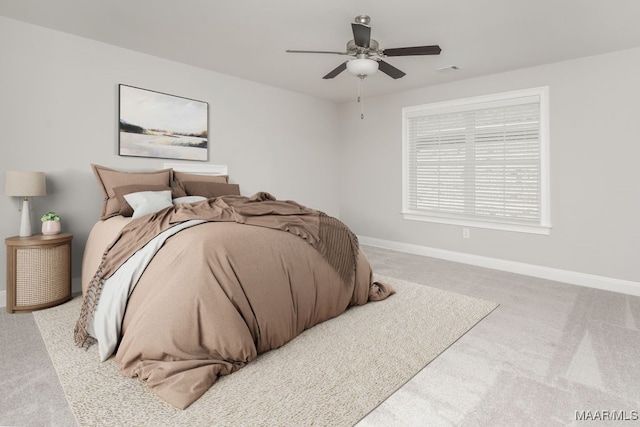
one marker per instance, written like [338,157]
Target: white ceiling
[248,38]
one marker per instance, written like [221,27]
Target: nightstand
[38,271]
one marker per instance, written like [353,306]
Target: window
[480,162]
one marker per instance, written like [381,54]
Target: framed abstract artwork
[155,124]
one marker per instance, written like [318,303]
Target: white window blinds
[479,161]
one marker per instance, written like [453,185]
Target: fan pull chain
[360,98]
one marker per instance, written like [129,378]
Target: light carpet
[333,374]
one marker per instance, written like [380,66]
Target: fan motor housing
[353,48]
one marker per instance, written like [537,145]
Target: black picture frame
[158,125]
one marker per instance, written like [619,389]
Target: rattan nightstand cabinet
[38,271]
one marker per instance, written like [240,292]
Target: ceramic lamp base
[25,223]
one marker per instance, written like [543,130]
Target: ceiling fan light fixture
[362,66]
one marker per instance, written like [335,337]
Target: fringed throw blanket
[219,293]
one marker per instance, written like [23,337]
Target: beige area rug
[333,374]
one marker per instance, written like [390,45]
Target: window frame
[477,103]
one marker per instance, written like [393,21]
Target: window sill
[518,228]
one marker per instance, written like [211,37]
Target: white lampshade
[362,66]
[21,184]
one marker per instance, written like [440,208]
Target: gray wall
[58,109]
[59,113]
[595,172]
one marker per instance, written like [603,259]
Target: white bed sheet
[106,324]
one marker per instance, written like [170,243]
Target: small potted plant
[50,223]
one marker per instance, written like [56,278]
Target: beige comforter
[249,280]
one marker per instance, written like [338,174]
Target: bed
[185,280]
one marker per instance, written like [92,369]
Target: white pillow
[146,202]
[188,199]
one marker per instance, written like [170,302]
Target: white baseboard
[3,299]
[565,276]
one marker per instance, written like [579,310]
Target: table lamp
[25,184]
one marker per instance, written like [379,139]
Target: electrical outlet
[466,234]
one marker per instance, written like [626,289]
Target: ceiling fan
[368,55]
